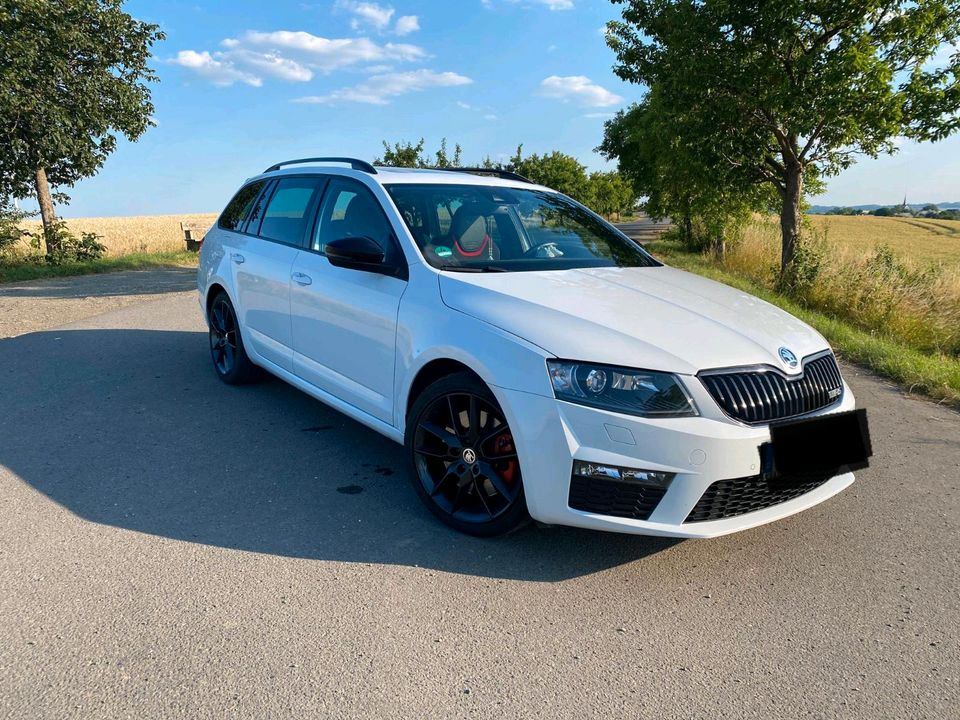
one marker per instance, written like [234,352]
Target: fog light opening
[598,471]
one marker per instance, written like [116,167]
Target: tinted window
[288,212]
[351,210]
[239,208]
[510,229]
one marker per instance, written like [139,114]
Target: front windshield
[475,228]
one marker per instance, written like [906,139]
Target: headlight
[634,392]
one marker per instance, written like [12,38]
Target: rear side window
[288,212]
[239,208]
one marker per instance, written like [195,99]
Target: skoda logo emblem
[469,456]
[789,359]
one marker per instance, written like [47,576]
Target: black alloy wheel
[464,462]
[226,346]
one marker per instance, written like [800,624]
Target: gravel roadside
[34,305]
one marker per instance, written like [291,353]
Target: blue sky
[245,84]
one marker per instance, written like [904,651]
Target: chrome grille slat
[763,394]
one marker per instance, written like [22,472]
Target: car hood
[658,318]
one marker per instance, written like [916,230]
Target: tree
[788,92]
[707,202]
[406,154]
[74,73]
[555,170]
[609,193]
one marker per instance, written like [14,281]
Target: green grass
[134,261]
[934,375]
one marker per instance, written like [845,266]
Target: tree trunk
[47,214]
[790,214]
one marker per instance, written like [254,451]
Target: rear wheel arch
[215,289]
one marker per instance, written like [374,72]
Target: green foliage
[406,154]
[609,193]
[786,93]
[556,170]
[74,73]
[800,275]
[708,203]
[67,247]
[11,231]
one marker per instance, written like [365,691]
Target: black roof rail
[352,162]
[495,172]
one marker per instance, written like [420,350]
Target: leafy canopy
[73,75]
[770,86]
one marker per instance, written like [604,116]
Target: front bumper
[701,451]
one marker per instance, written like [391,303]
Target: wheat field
[916,240]
[135,234]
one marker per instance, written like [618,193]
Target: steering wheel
[544,250]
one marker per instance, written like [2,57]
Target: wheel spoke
[441,433]
[432,453]
[443,481]
[228,356]
[488,471]
[459,498]
[217,320]
[481,493]
[473,417]
[498,430]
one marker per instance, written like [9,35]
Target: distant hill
[823,209]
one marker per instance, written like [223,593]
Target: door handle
[301,279]
[237,258]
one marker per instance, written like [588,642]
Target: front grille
[764,394]
[612,497]
[729,498]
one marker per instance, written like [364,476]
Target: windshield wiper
[472,268]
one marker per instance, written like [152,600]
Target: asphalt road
[172,547]
[643,229]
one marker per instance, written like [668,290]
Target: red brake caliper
[503,444]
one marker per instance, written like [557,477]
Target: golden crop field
[914,239]
[136,234]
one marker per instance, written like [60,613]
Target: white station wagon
[534,360]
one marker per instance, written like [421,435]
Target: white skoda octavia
[534,360]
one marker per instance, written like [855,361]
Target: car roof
[392,175]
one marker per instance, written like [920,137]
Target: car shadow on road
[131,428]
[156,281]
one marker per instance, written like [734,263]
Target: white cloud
[292,56]
[407,24]
[462,104]
[599,115]
[272,64]
[489,116]
[367,13]
[329,54]
[377,89]
[218,71]
[578,88]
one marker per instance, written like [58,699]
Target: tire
[230,360]
[462,460]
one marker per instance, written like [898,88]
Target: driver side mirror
[360,253]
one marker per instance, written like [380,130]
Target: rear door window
[237,211]
[288,212]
